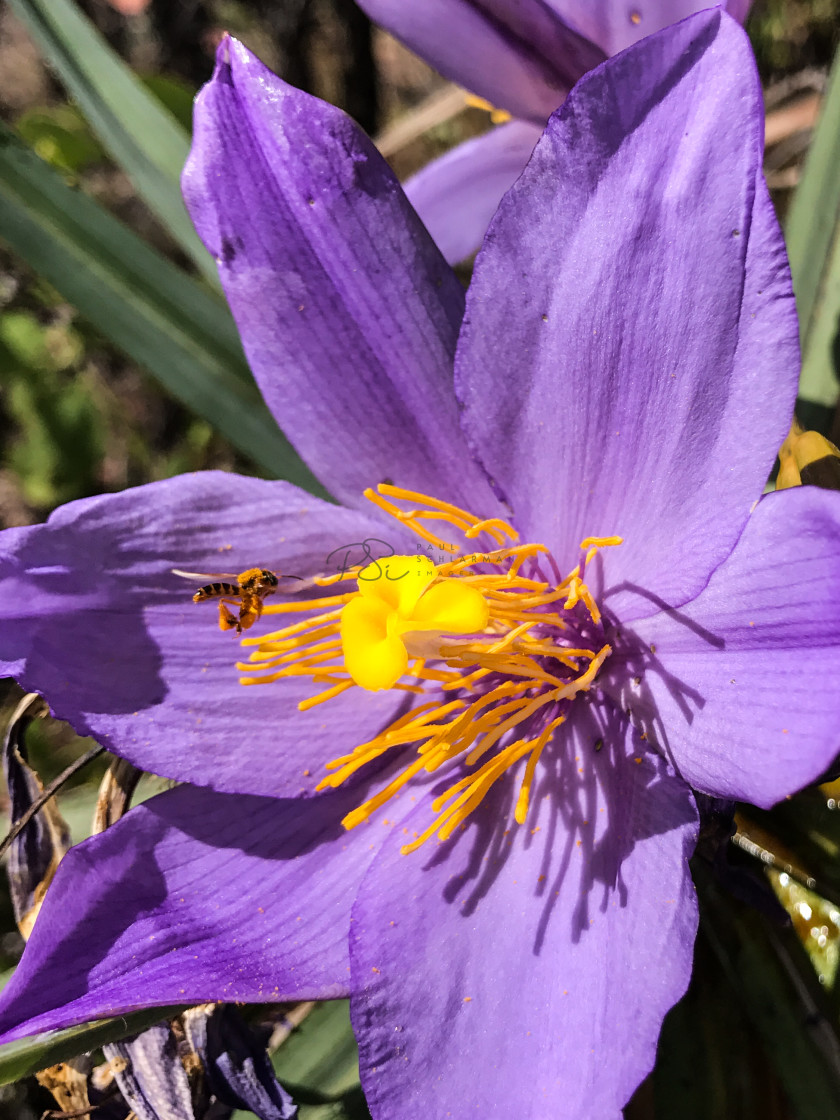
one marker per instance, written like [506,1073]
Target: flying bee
[246,596]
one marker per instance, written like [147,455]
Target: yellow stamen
[493,638]
[523,799]
[579,593]
[593,544]
[435,511]
[476,102]
[497,116]
[327,694]
[303,605]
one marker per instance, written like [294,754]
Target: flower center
[496,642]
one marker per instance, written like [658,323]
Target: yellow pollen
[488,644]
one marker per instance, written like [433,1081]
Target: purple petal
[616,24]
[640,376]
[13,640]
[457,195]
[525,970]
[236,1065]
[738,9]
[150,1075]
[522,57]
[742,689]
[195,897]
[348,314]
[114,642]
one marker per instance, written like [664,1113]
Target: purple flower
[626,367]
[522,56]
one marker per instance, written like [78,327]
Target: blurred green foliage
[60,425]
[61,136]
[175,95]
[791,34]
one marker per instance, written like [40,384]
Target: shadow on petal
[601,791]
[196,896]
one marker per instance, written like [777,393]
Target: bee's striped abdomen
[215,591]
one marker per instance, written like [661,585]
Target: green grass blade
[695,1077]
[322,1053]
[145,305]
[319,1065]
[813,240]
[28,1055]
[140,134]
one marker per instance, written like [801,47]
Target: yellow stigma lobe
[400,597]
[495,645]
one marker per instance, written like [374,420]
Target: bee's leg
[227,619]
[249,612]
